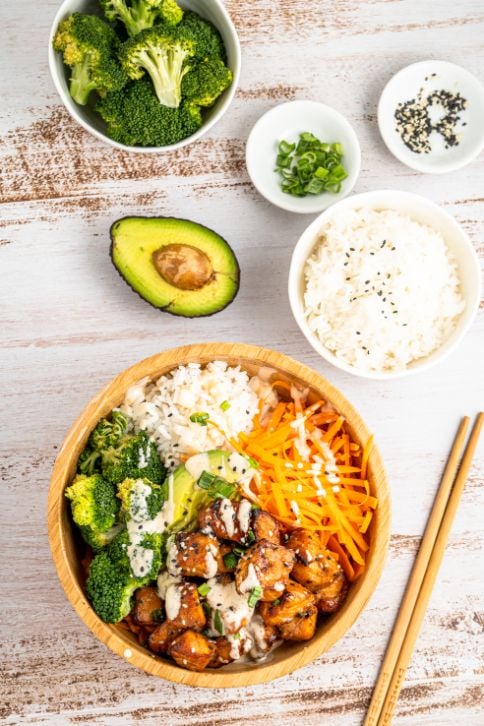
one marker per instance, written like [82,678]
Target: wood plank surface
[69,324]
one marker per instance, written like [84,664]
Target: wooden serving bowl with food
[219,515]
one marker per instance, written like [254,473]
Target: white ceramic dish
[423,211]
[212,10]
[434,76]
[286,122]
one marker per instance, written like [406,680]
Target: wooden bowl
[63,539]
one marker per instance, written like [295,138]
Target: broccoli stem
[166,71]
[81,83]
[137,18]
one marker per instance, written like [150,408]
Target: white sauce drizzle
[301,444]
[232,606]
[211,565]
[250,581]
[227,515]
[141,558]
[173,601]
[243,515]
[172,560]
[164,581]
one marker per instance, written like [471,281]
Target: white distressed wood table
[69,323]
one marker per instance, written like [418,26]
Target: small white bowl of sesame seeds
[430,116]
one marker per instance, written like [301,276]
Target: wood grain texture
[69,324]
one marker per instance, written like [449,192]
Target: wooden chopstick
[430,577]
[416,578]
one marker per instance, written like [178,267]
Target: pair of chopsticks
[422,579]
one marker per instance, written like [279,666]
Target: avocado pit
[183,266]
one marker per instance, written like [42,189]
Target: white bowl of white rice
[384,284]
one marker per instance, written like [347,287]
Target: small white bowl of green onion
[303,156]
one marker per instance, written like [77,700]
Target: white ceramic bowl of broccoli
[85,113]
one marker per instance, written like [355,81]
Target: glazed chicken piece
[315,566]
[148,609]
[302,627]
[190,614]
[265,565]
[227,519]
[295,600]
[264,526]
[330,597]
[193,554]
[192,650]
[238,522]
[160,639]
[222,653]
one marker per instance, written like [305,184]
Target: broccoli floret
[109,432]
[118,455]
[170,12]
[204,83]
[94,508]
[135,117]
[89,462]
[138,15]
[124,551]
[134,456]
[141,499]
[163,52]
[207,39]
[110,588]
[89,47]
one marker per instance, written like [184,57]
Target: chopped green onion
[238,551]
[215,486]
[225,405]
[230,561]
[277,602]
[218,623]
[207,609]
[254,597]
[310,166]
[236,636]
[254,506]
[200,418]
[204,589]
[250,538]
[253,463]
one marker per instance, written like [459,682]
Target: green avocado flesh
[188,498]
[135,239]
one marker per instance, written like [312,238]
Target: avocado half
[188,499]
[176,265]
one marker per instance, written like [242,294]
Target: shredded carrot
[311,474]
[343,559]
[366,456]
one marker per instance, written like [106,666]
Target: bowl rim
[296,270]
[71,105]
[292,204]
[119,641]
[419,164]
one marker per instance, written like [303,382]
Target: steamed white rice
[382,290]
[163,408]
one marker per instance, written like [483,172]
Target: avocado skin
[236,271]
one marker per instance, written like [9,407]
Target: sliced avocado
[176,265]
[190,499]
